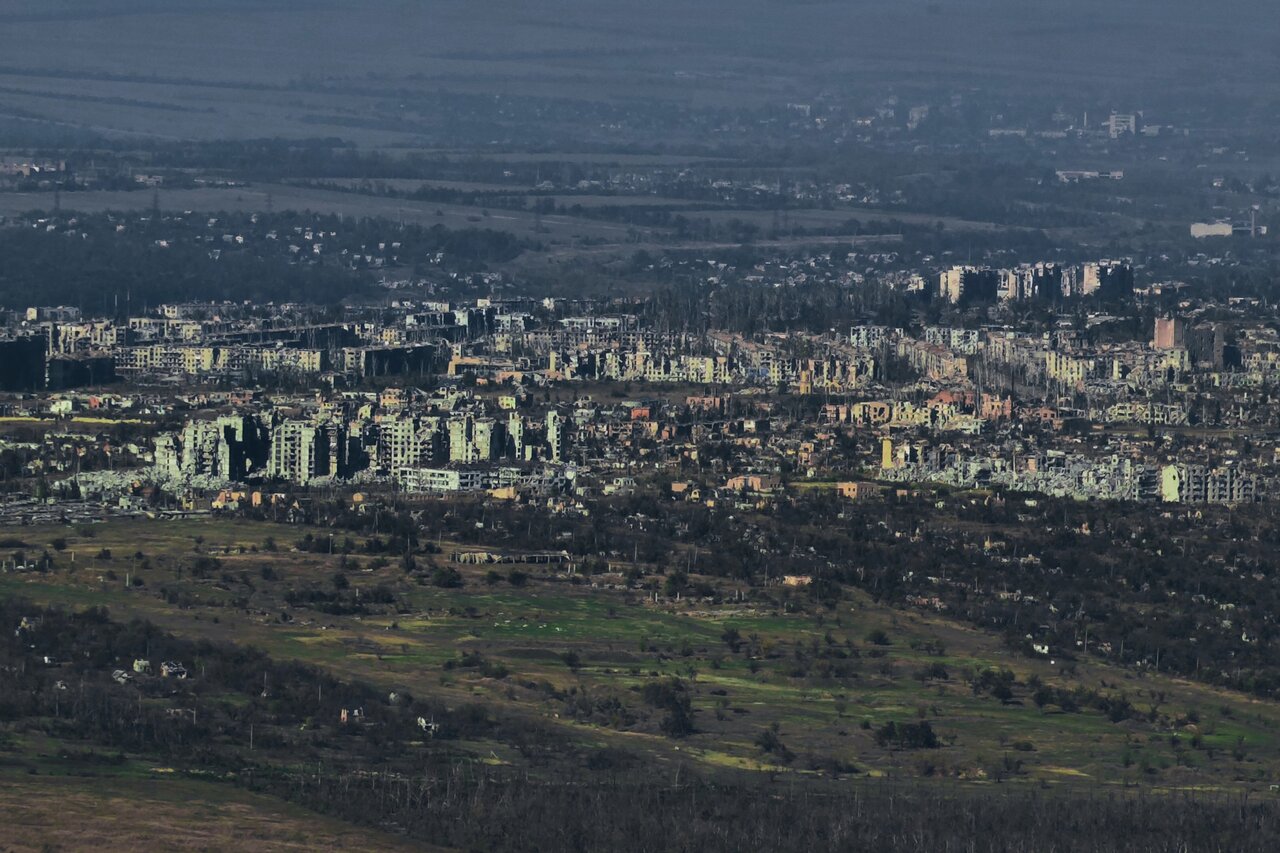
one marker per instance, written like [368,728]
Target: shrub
[907,735]
[447,577]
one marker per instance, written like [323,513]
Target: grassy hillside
[775,689]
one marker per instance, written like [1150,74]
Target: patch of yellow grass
[74,814]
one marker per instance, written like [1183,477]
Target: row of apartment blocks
[1223,484]
[581,348]
[210,341]
[617,349]
[967,411]
[237,448]
[1107,477]
[508,480]
[957,410]
[232,360]
[1065,362]
[747,366]
[946,354]
[1108,280]
[384,436]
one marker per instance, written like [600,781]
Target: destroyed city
[568,426]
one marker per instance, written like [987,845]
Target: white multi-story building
[555,436]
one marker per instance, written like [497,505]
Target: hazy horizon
[216,68]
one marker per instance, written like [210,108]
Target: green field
[579,655]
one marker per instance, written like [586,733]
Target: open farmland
[67,800]
[551,228]
[368,72]
[581,653]
[559,235]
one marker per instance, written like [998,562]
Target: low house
[686,490]
[170,669]
[229,499]
[753,483]
[855,491]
